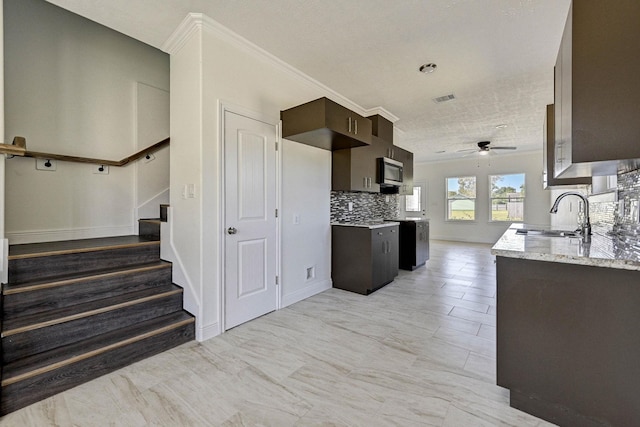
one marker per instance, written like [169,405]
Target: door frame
[223,108]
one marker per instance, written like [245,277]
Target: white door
[250,218]
[416,205]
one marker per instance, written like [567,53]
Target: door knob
[232,230]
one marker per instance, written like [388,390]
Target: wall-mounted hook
[45,165]
[101,170]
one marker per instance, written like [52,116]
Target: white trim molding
[308,291]
[195,22]
[54,235]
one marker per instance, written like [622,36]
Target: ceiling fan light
[484,152]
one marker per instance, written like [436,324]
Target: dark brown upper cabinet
[548,177]
[597,93]
[383,132]
[325,124]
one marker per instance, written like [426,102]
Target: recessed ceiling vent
[444,98]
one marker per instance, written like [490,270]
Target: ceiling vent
[444,98]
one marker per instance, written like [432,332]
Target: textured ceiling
[495,56]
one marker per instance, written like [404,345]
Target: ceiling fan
[484,147]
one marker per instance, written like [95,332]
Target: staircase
[73,311]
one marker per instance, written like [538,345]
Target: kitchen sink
[547,233]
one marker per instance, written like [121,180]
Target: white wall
[71,88]
[537,202]
[306,234]
[211,67]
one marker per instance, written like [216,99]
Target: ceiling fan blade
[467,150]
[504,148]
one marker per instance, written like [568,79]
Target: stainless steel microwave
[389,172]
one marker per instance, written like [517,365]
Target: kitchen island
[568,338]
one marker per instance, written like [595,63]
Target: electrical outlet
[45,165]
[296,218]
[101,170]
[311,272]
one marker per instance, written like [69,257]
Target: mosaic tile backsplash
[621,219]
[366,206]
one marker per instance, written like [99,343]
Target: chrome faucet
[585,227]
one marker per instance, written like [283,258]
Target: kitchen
[306,182]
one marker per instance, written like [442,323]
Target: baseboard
[308,291]
[204,333]
[39,236]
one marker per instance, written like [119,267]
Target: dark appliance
[389,173]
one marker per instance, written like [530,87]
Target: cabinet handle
[393,231]
[379,233]
[369,179]
[356,125]
[364,180]
[349,124]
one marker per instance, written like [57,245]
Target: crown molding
[382,112]
[190,25]
[194,23]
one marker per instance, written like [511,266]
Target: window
[461,198]
[507,197]
[412,203]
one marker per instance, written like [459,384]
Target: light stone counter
[370,225]
[570,250]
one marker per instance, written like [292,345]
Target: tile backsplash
[365,206]
[620,218]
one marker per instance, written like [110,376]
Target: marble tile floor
[419,352]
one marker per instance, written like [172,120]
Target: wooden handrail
[19,148]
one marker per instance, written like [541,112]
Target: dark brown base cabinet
[414,244]
[363,259]
[568,346]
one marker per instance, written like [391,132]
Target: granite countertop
[367,224]
[571,250]
[410,219]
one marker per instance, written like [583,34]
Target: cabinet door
[422,242]
[378,257]
[406,157]
[345,121]
[393,255]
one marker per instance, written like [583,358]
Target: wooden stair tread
[35,321]
[152,220]
[77,246]
[49,360]
[11,288]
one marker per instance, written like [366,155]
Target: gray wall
[72,87]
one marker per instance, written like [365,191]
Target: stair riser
[35,341]
[38,301]
[37,268]
[23,393]
[149,230]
